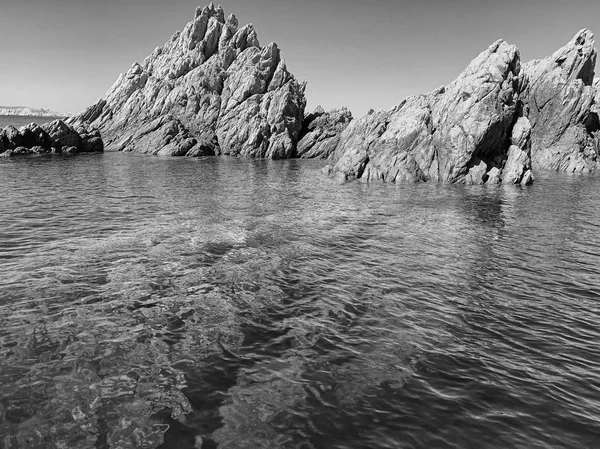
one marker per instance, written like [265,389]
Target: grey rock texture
[495,123]
[562,108]
[458,133]
[321,132]
[210,90]
[517,169]
[54,137]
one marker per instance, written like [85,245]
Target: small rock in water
[78,415]
[212,89]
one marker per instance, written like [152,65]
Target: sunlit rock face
[212,89]
[321,131]
[561,107]
[495,123]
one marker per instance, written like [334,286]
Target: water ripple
[148,302]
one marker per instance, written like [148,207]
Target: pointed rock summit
[495,123]
[560,105]
[212,89]
[321,132]
[458,133]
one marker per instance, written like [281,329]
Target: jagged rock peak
[583,59]
[576,60]
[560,106]
[459,133]
[498,121]
[211,89]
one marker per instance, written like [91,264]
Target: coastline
[22,120]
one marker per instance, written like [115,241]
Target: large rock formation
[210,90]
[459,133]
[321,132]
[54,137]
[493,124]
[559,101]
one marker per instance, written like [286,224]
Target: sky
[65,54]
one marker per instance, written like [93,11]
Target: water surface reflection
[150,302]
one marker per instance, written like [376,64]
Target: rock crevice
[560,100]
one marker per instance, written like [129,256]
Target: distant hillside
[23,110]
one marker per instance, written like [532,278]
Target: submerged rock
[457,133]
[210,90]
[517,169]
[53,137]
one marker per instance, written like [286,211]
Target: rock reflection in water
[259,304]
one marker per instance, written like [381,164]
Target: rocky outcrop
[54,137]
[210,90]
[561,107]
[459,133]
[321,132]
[495,123]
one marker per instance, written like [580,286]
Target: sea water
[235,303]
[21,120]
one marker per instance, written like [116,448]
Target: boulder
[493,176]
[92,144]
[26,137]
[210,90]
[321,132]
[35,135]
[477,172]
[11,137]
[62,135]
[560,104]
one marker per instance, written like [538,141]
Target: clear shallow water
[148,302]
